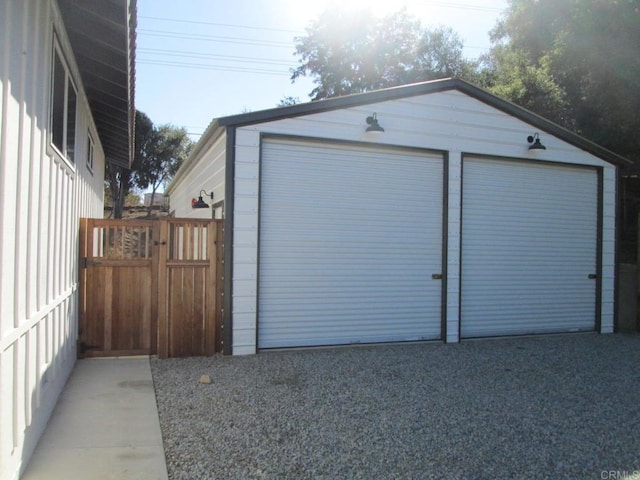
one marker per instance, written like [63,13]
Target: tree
[133,200]
[288,101]
[120,180]
[348,52]
[576,62]
[509,73]
[161,153]
[158,154]
[587,52]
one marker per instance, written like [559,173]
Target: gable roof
[218,126]
[423,88]
[102,36]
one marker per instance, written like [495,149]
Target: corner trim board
[227,321]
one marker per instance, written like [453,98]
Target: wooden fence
[150,287]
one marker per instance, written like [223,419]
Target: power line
[205,56]
[215,24]
[215,38]
[434,3]
[241,41]
[222,68]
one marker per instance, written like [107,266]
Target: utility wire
[150,56]
[433,3]
[214,38]
[222,68]
[215,24]
[205,56]
[158,57]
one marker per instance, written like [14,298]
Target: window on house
[90,152]
[63,108]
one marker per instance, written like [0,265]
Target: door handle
[436,276]
[593,276]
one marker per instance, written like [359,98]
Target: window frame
[66,150]
[90,159]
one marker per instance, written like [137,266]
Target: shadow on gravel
[540,407]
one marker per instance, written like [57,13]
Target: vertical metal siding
[349,239]
[529,238]
[41,198]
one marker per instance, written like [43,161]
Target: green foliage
[509,73]
[158,153]
[133,199]
[288,101]
[583,54]
[575,62]
[572,61]
[347,52]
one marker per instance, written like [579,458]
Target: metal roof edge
[541,123]
[336,103]
[423,88]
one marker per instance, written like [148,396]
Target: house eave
[103,38]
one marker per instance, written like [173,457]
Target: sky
[197,60]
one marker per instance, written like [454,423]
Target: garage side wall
[42,197]
[208,176]
[448,121]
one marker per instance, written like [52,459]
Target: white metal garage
[529,247]
[333,232]
[350,237]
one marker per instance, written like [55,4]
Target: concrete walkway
[105,425]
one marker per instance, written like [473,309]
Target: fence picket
[150,287]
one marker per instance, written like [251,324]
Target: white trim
[58,53]
[90,154]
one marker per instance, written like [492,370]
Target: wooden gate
[150,287]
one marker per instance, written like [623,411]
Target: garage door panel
[529,242]
[349,239]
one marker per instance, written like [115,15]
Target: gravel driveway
[563,406]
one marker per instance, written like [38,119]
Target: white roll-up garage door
[350,237]
[529,246]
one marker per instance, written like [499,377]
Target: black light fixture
[534,140]
[200,203]
[374,126]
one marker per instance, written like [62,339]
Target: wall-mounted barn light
[200,203]
[534,140]
[374,126]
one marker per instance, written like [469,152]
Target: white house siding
[41,198]
[209,176]
[450,121]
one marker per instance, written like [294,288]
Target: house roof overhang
[102,34]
